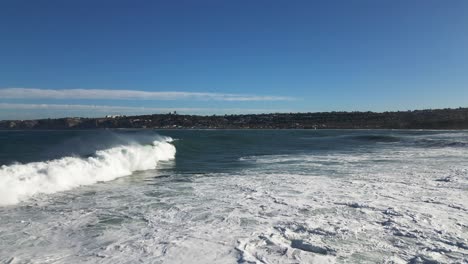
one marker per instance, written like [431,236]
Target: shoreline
[237,129]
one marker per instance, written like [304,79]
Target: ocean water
[234,196]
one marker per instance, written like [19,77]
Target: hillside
[418,119]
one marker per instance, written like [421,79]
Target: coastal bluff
[417,119]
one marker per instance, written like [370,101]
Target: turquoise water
[233,196]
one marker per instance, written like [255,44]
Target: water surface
[233,196]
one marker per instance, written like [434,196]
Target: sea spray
[21,181]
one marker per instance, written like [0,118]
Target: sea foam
[19,182]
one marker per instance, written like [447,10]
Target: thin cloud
[34,93]
[125,109]
[102,108]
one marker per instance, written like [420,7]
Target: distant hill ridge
[417,119]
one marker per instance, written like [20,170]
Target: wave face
[21,181]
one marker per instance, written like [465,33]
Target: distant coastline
[417,119]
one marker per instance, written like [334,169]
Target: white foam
[21,181]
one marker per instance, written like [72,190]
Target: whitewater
[242,196]
[21,181]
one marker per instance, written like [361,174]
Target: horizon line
[141,111]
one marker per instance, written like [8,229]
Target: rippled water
[245,196]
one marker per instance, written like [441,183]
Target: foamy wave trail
[19,182]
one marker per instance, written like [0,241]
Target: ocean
[234,196]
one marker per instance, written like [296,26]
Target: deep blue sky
[286,55]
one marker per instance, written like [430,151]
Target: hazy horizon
[104,111]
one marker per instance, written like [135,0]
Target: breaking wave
[21,181]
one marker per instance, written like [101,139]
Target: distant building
[113,116]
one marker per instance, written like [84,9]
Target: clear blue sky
[230,56]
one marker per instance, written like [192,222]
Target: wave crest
[21,181]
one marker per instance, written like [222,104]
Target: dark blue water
[215,149]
